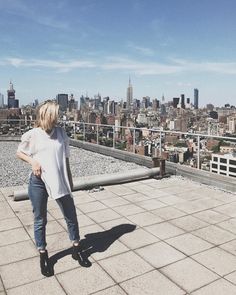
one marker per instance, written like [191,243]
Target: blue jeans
[39,198]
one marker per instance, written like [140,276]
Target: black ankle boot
[80,256]
[46,269]
[75,252]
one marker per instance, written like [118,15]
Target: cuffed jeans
[39,198]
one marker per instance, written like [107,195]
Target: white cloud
[216,67]
[115,63]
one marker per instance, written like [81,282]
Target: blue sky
[167,47]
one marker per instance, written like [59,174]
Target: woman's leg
[39,197]
[68,209]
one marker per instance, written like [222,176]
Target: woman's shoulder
[29,133]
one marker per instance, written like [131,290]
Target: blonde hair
[47,115]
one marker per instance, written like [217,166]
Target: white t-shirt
[51,151]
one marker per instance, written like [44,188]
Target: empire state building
[129,100]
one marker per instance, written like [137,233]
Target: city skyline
[86,47]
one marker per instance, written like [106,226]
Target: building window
[232,175]
[223,167]
[231,169]
[222,173]
[215,159]
[214,166]
[232,162]
[223,160]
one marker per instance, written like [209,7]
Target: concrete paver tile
[164,230]
[125,266]
[189,274]
[102,195]
[9,223]
[103,215]
[156,193]
[151,204]
[228,209]
[224,197]
[229,247]
[189,223]
[141,187]
[218,260]
[113,202]
[160,254]
[218,287]
[138,238]
[137,197]
[84,220]
[229,225]
[21,272]
[22,206]
[58,241]
[16,252]
[82,199]
[168,213]
[211,216]
[91,207]
[13,236]
[231,277]
[198,205]
[1,286]
[130,209]
[189,244]
[115,290]
[145,218]
[6,211]
[120,190]
[85,280]
[43,287]
[152,283]
[214,234]
[171,200]
[189,195]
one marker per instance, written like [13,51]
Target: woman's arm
[36,167]
[69,173]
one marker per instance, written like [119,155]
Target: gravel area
[83,163]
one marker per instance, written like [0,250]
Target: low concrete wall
[115,153]
[10,138]
[205,177]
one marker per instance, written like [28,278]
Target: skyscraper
[1,100]
[182,101]
[129,95]
[196,97]
[12,102]
[62,100]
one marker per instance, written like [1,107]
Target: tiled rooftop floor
[184,242]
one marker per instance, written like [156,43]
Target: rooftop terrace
[170,236]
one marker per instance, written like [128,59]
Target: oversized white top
[51,151]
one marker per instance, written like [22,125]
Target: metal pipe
[98,180]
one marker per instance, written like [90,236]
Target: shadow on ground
[95,242]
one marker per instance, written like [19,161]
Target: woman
[46,149]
